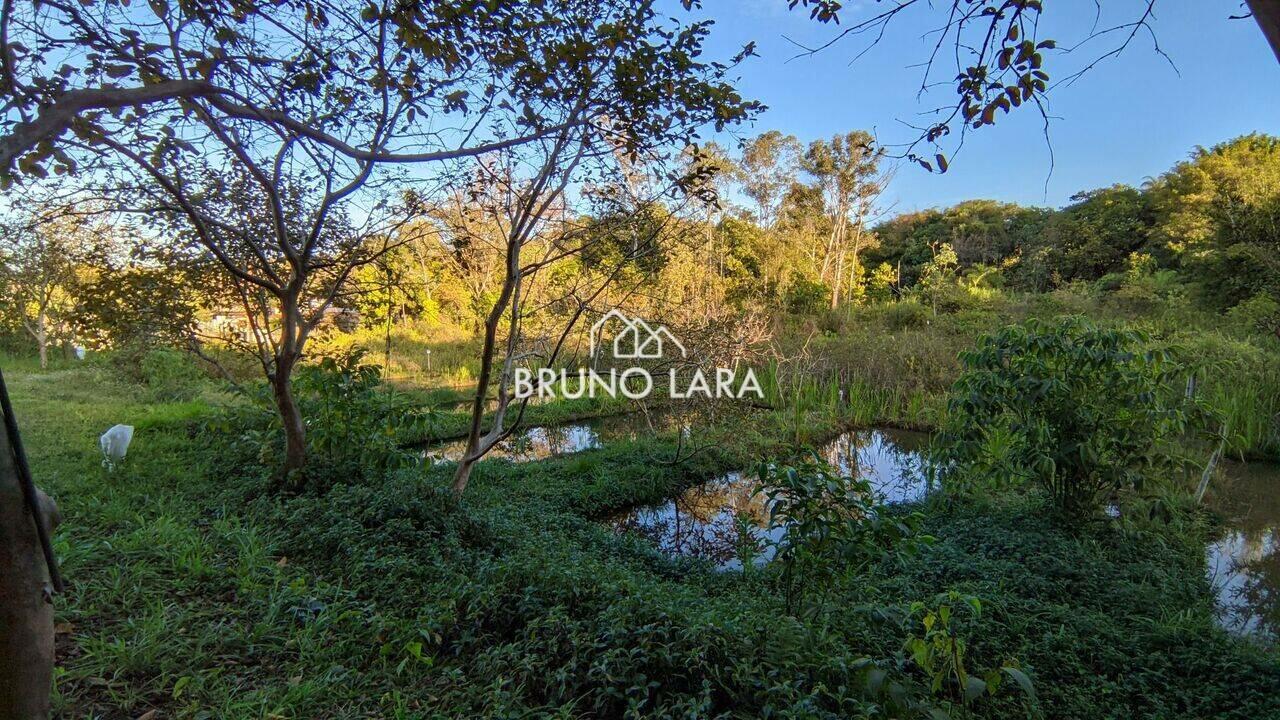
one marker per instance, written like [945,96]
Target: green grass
[170,603]
[196,592]
[896,361]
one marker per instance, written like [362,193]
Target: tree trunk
[1267,13]
[295,432]
[26,606]
[42,340]
[510,285]
[838,280]
[463,474]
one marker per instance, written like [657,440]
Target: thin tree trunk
[839,278]
[295,432]
[463,474]
[386,363]
[26,607]
[855,269]
[470,455]
[42,339]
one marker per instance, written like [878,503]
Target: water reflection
[718,520]
[714,521]
[543,441]
[891,460]
[1244,563]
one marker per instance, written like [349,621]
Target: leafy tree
[1218,214]
[637,95]
[351,85]
[139,305]
[307,106]
[980,232]
[768,168]
[1083,412]
[938,275]
[1094,236]
[846,171]
[882,285]
[800,232]
[805,295]
[41,266]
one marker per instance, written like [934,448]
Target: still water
[1244,563]
[543,441]
[716,520]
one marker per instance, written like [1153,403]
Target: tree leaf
[1023,681]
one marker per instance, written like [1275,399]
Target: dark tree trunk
[295,432]
[472,454]
[1267,13]
[26,607]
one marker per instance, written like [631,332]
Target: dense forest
[305,329]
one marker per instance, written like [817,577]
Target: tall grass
[806,398]
[1250,404]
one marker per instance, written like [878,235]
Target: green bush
[805,296]
[1258,314]
[824,526]
[1083,412]
[354,422]
[906,314]
[171,374]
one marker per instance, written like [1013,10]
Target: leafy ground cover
[196,591]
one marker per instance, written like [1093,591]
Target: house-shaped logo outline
[638,339]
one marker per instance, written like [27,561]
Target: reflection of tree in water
[549,441]
[1244,564]
[1247,581]
[703,522]
[709,521]
[889,459]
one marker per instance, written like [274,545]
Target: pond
[716,519]
[1244,563]
[539,442]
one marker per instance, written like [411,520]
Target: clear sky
[1131,118]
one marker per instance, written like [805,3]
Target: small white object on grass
[115,443]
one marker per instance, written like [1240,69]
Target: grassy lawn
[172,602]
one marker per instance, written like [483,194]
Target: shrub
[805,296]
[1258,314]
[824,526]
[906,314]
[882,285]
[171,374]
[354,422]
[1083,411]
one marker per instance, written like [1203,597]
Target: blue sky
[1130,119]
